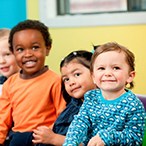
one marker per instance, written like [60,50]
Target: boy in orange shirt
[32,97]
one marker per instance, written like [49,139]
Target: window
[90,6]
[83,13]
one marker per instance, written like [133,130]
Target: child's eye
[7,54]
[34,47]
[77,74]
[101,68]
[20,49]
[116,68]
[65,80]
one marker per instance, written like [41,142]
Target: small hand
[44,135]
[96,141]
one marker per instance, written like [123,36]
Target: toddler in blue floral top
[111,115]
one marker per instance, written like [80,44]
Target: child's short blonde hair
[4,32]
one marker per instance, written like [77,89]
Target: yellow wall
[66,40]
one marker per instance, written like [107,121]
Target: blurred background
[80,24]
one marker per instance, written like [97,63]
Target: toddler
[112,114]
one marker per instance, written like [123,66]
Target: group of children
[89,104]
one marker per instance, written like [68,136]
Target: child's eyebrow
[75,70]
[71,72]
[35,43]
[18,45]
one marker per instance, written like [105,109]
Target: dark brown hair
[31,24]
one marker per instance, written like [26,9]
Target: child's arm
[45,135]
[5,114]
[132,130]
[57,97]
[78,129]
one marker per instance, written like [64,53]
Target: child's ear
[131,77]
[48,48]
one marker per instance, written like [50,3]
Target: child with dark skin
[32,97]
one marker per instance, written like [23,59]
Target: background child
[32,97]
[8,65]
[110,115]
[76,81]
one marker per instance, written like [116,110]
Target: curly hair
[31,24]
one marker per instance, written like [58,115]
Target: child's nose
[72,82]
[28,53]
[108,72]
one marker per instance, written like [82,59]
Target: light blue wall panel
[12,12]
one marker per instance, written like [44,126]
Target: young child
[76,81]
[8,65]
[32,97]
[112,114]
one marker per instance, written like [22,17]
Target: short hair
[4,32]
[81,57]
[31,24]
[111,46]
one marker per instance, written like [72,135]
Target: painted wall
[66,40]
[11,12]
[133,37]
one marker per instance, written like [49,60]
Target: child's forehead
[29,33]
[111,56]
[75,61]
[4,41]
[111,52]
[28,30]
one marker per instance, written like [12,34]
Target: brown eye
[20,49]
[77,74]
[34,47]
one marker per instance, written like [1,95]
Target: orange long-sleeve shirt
[30,103]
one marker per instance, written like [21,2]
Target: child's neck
[109,95]
[24,76]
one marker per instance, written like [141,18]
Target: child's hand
[95,141]
[43,134]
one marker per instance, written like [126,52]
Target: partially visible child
[8,65]
[32,97]
[112,114]
[76,81]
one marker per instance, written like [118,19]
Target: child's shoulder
[131,97]
[53,75]
[94,91]
[92,94]
[13,77]
[132,101]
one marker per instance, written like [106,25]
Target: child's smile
[111,71]
[31,52]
